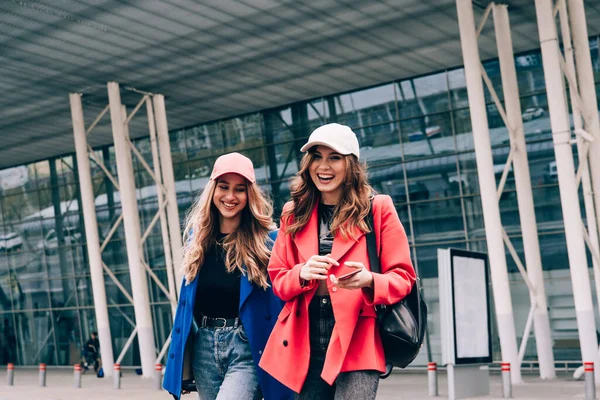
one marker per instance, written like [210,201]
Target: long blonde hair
[350,212]
[246,246]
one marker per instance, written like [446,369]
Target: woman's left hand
[363,279]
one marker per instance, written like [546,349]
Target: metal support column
[587,91]
[91,232]
[522,176]
[129,209]
[164,227]
[561,135]
[166,164]
[582,144]
[487,184]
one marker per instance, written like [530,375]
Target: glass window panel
[35,336]
[65,170]
[121,325]
[197,141]
[427,261]
[8,340]
[431,93]
[463,130]
[68,336]
[114,294]
[437,221]
[429,135]
[178,144]
[492,68]
[474,217]
[317,111]
[156,293]
[16,179]
[530,74]
[553,250]
[367,108]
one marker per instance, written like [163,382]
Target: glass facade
[415,135]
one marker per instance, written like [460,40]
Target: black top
[218,293]
[92,345]
[325,212]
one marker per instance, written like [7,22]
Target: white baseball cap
[335,136]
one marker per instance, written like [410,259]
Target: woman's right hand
[316,267]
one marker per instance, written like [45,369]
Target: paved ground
[400,386]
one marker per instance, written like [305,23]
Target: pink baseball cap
[233,163]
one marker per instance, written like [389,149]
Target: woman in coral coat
[325,344]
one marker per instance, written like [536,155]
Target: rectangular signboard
[464,307]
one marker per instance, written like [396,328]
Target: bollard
[506,383]
[42,375]
[77,375]
[158,377]
[590,385]
[10,374]
[433,379]
[117,376]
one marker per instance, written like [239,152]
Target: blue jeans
[223,366]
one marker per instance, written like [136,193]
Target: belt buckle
[221,319]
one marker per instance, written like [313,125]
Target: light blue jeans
[223,365]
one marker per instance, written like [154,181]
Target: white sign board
[464,307]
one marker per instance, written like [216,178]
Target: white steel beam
[164,228]
[91,232]
[582,145]
[166,164]
[487,184]
[561,135]
[129,207]
[587,90]
[522,176]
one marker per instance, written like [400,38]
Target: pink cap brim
[249,179]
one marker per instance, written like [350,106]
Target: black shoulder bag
[401,325]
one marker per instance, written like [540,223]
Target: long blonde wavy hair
[246,246]
[351,211]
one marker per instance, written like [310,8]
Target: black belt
[210,322]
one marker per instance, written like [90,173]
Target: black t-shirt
[325,212]
[218,292]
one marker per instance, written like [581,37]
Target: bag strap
[372,242]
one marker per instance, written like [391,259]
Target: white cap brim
[308,145]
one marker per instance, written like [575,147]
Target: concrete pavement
[400,386]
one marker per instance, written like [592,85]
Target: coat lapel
[307,240]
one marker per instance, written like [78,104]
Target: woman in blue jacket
[226,307]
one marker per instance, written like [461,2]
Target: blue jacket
[258,308]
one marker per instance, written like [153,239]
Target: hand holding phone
[349,275]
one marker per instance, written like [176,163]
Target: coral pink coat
[355,343]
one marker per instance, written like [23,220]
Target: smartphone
[349,275]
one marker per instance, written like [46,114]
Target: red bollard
[506,383]
[117,376]
[590,385]
[42,375]
[158,377]
[10,374]
[77,375]
[433,379]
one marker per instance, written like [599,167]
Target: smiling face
[328,173]
[230,198]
